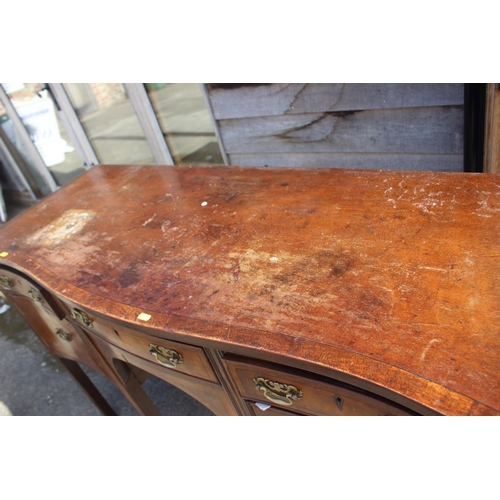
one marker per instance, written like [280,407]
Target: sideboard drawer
[213,396]
[58,335]
[12,283]
[184,358]
[270,412]
[301,394]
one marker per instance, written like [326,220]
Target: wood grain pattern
[492,130]
[390,126]
[411,130]
[383,278]
[253,100]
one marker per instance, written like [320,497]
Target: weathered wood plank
[430,162]
[252,100]
[411,130]
[492,136]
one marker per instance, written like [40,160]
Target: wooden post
[492,129]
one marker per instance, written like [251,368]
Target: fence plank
[411,130]
[253,100]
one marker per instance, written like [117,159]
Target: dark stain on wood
[130,276]
[343,114]
[287,134]
[231,197]
[233,86]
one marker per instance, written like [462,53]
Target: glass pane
[185,122]
[38,114]
[110,122]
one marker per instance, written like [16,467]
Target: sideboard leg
[138,398]
[86,385]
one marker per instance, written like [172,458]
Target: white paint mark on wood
[433,269]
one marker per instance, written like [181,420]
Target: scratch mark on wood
[232,197]
[164,226]
[427,347]
[433,269]
[148,221]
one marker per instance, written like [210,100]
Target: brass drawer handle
[81,316]
[6,283]
[166,357]
[35,295]
[276,392]
[63,335]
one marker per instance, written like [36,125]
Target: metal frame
[149,123]
[28,144]
[215,125]
[73,125]
[16,168]
[144,111]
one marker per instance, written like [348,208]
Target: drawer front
[270,412]
[209,394]
[297,393]
[59,335]
[13,284]
[183,358]
[46,318]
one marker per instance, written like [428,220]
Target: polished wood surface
[388,281]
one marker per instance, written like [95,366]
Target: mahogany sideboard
[269,291]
